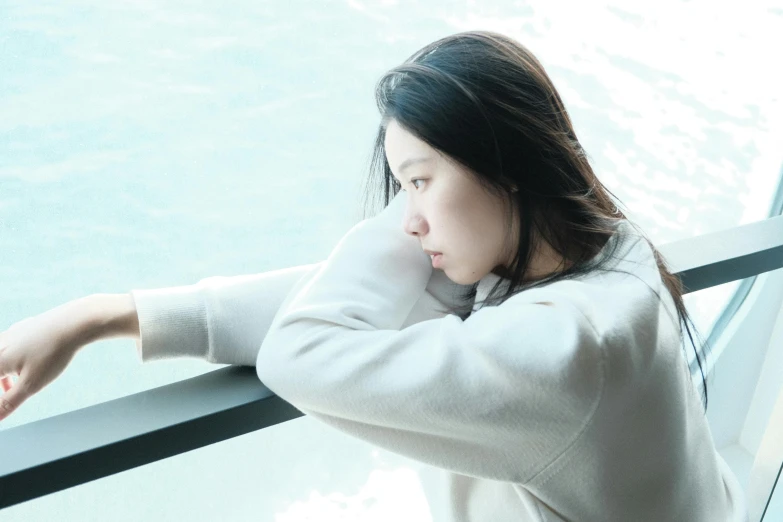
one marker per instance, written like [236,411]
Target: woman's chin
[461,279]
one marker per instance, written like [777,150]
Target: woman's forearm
[106,316]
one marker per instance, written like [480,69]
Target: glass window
[146,145]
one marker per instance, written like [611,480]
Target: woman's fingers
[37,350]
[12,398]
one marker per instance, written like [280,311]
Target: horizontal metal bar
[66,450]
[726,255]
[91,443]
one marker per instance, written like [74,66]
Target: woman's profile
[500,319]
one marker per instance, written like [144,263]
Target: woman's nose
[414,224]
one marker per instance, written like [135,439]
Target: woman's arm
[220,319]
[224,319]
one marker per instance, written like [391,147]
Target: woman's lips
[436,260]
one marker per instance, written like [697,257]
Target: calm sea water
[152,144]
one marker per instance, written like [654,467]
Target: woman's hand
[37,350]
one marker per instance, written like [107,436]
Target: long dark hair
[484,100]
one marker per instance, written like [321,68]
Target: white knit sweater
[571,401]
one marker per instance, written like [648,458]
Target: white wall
[747,347]
[747,379]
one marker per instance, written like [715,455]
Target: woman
[499,320]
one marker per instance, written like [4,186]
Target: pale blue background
[152,144]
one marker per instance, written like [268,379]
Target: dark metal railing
[66,450]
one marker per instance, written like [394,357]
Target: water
[146,145]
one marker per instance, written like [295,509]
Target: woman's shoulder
[615,305]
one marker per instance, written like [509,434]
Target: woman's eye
[415,180]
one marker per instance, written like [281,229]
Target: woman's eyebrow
[410,161]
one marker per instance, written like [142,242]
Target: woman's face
[448,211]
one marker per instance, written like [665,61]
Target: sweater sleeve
[500,395]
[219,319]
